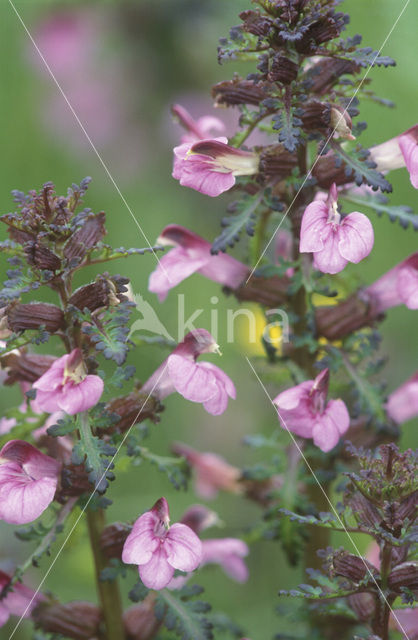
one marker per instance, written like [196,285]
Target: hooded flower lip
[398,286]
[19,602]
[158,548]
[67,387]
[304,411]
[398,152]
[191,254]
[334,241]
[201,382]
[210,166]
[402,404]
[28,481]
[198,129]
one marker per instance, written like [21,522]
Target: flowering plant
[83,408]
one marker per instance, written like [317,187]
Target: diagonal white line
[86,505]
[329,138]
[82,127]
[315,477]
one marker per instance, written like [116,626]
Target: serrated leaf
[94,454]
[362,169]
[65,425]
[233,225]
[139,592]
[367,57]
[396,213]
[288,126]
[105,253]
[114,570]
[110,336]
[181,616]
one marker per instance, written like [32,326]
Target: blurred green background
[122,64]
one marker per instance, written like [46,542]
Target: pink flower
[192,254]
[397,286]
[304,410]
[67,387]
[229,554]
[210,166]
[213,473]
[402,404]
[28,481]
[333,241]
[159,549]
[405,621]
[398,152]
[196,381]
[199,129]
[19,602]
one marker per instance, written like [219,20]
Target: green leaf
[105,253]
[361,169]
[110,334]
[378,202]
[65,425]
[176,469]
[186,619]
[94,454]
[139,592]
[244,218]
[366,57]
[288,126]
[114,570]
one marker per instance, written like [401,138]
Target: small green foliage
[109,334]
[114,570]
[360,169]
[379,203]
[184,616]
[243,218]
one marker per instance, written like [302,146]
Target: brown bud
[238,91]
[404,575]
[325,73]
[267,291]
[78,620]
[364,511]
[352,567]
[33,315]
[133,409]
[408,506]
[282,70]
[327,172]
[98,294]
[363,604]
[24,367]
[262,491]
[255,23]
[140,621]
[41,257]
[336,322]
[91,232]
[74,480]
[113,538]
[324,29]
[276,162]
[316,116]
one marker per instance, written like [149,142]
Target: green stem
[108,592]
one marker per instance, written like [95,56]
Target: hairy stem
[108,592]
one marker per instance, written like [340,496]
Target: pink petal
[409,148]
[52,378]
[23,499]
[313,223]
[209,125]
[141,542]
[197,172]
[356,237]
[22,600]
[47,401]
[221,377]
[331,425]
[291,398]
[4,614]
[407,285]
[157,573]
[190,379]
[229,554]
[329,260]
[183,548]
[75,398]
[177,265]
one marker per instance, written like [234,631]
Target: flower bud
[238,91]
[133,409]
[34,315]
[341,123]
[78,620]
[255,23]
[113,538]
[26,367]
[140,621]
[74,480]
[329,169]
[363,604]
[353,567]
[282,70]
[105,291]
[276,162]
[324,74]
[270,292]
[404,575]
[338,321]
[364,511]
[86,237]
[41,257]
[316,116]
